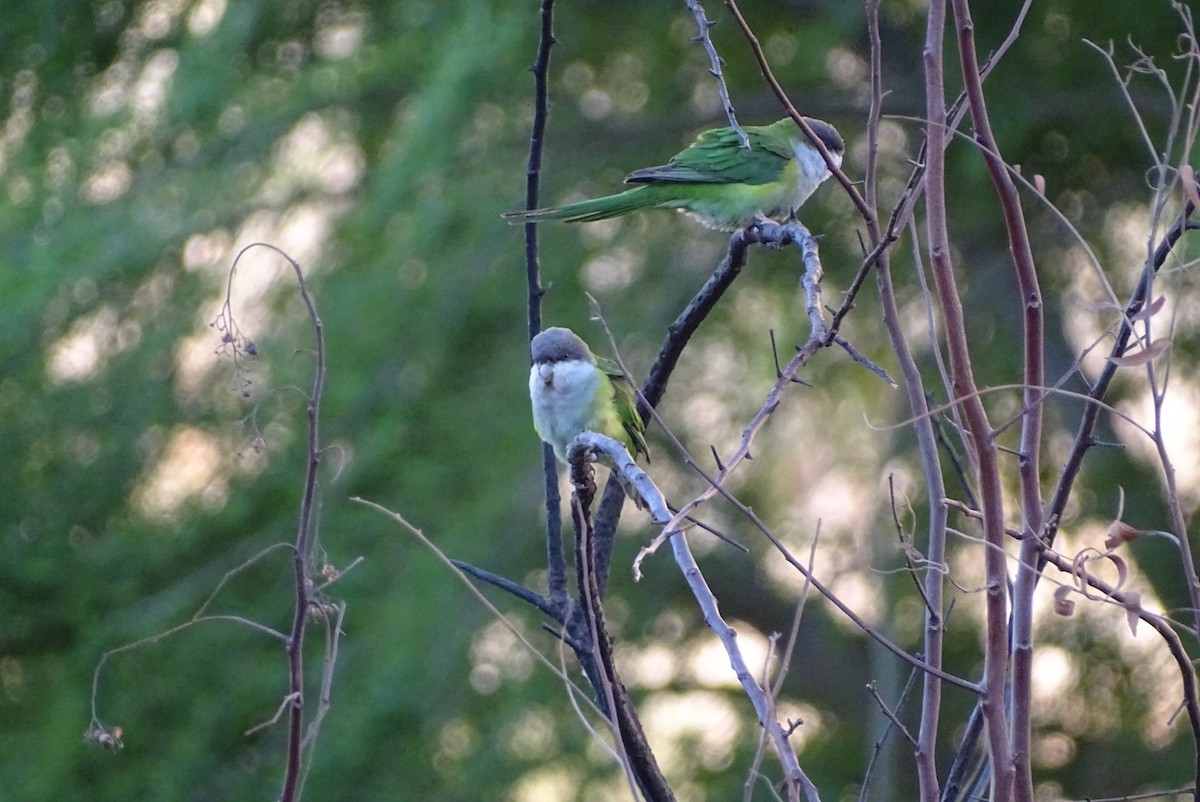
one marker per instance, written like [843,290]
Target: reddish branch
[1031,425]
[966,393]
[914,388]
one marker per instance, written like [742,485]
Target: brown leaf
[1133,607]
[1122,569]
[1120,533]
[1147,312]
[1147,354]
[1188,177]
[1063,605]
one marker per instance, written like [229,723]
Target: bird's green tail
[631,200]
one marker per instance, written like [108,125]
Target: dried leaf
[1103,306]
[1133,608]
[1063,605]
[1147,354]
[1150,311]
[1188,177]
[108,739]
[1122,569]
[1120,533]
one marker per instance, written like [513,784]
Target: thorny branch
[556,567]
[715,63]
[637,756]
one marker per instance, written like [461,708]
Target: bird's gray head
[557,344]
[828,135]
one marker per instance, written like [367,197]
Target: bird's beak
[546,373]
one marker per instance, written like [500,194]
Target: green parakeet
[716,180]
[573,390]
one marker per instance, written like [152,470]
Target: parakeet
[716,180]
[573,390]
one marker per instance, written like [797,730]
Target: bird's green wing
[717,157]
[626,401]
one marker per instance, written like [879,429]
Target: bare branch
[617,456]
[715,63]
[797,779]
[964,388]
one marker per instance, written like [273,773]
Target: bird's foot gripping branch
[764,231]
[638,485]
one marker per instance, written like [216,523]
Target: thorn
[716,457]
[775,356]
[718,535]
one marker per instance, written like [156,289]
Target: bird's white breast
[811,170]
[563,395]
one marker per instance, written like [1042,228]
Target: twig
[1085,434]
[769,232]
[797,779]
[463,577]
[785,662]
[300,553]
[1187,674]
[906,548]
[715,63]
[637,759]
[867,213]
[530,597]
[555,565]
[155,638]
[679,333]
[879,743]
[887,711]
[863,360]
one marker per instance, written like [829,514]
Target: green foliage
[378,143]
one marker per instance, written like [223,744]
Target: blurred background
[143,143]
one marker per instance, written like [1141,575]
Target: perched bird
[573,390]
[716,180]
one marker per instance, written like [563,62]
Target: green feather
[716,179]
[631,200]
[625,398]
[717,157]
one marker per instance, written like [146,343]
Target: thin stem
[927,443]
[636,755]
[868,214]
[679,333]
[303,581]
[556,567]
[715,63]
